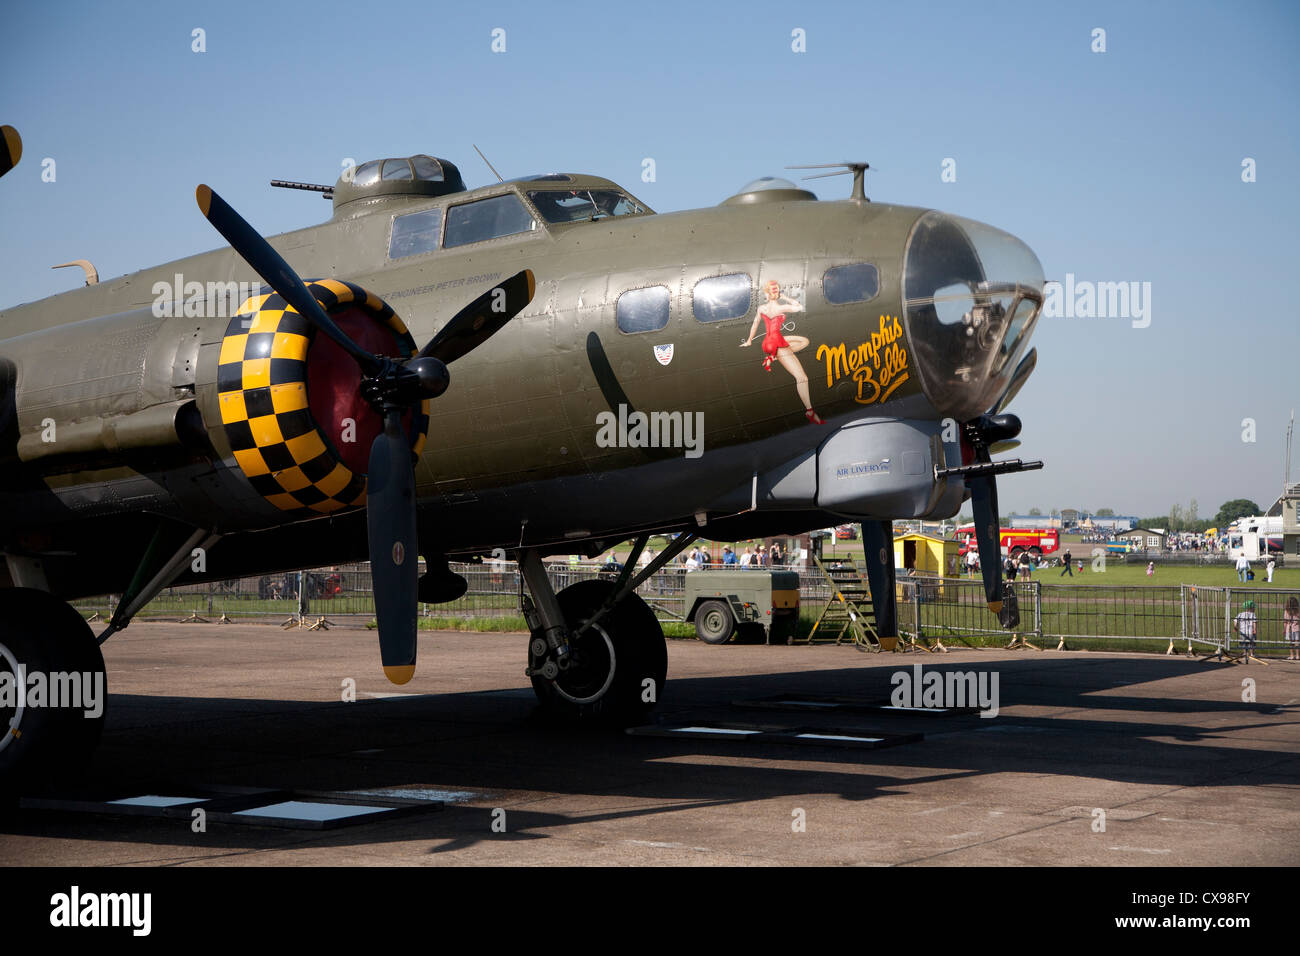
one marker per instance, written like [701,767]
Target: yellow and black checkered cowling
[262,376]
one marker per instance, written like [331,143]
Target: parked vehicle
[1037,541]
[759,605]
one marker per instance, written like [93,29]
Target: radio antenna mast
[1289,430]
[489,165]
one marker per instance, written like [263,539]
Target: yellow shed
[927,555]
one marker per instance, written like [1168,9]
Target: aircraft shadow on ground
[497,743]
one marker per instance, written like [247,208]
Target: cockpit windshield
[582,205]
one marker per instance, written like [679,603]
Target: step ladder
[848,615]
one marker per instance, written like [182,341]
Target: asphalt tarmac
[1093,759]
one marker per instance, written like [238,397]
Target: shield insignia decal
[664,353]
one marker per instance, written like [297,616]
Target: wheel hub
[11,717]
[591,667]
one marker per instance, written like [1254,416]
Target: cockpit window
[853,283]
[487,219]
[581,205]
[415,233]
[548,178]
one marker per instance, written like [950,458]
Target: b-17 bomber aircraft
[540,366]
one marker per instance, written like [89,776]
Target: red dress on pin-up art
[774,340]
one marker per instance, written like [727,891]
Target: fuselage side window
[643,310]
[722,297]
[852,283]
[487,219]
[415,233]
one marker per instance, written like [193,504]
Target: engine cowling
[289,399]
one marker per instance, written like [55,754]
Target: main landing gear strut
[597,653]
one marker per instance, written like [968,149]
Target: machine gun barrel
[987,469]
[326,191]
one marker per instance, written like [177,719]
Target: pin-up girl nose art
[780,347]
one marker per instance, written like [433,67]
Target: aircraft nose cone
[971,294]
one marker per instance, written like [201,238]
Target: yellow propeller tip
[995,607]
[399,673]
[204,196]
[532,282]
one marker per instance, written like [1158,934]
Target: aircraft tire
[45,745]
[630,636]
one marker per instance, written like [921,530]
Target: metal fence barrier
[1198,616]
[1213,610]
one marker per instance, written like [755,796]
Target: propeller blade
[878,552]
[394,548]
[985,432]
[482,318]
[1000,595]
[268,263]
[984,504]
[11,148]
[998,447]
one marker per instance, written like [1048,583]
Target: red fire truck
[1037,541]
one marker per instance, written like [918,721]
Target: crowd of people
[1191,541]
[762,556]
[701,558]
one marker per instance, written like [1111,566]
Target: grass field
[1172,575]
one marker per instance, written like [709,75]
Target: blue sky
[1115,166]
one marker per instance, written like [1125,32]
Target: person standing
[1291,628]
[1269,568]
[1246,624]
[1069,569]
[1243,565]
[728,558]
[972,560]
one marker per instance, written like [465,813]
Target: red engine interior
[334,381]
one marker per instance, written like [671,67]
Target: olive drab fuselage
[129,400]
